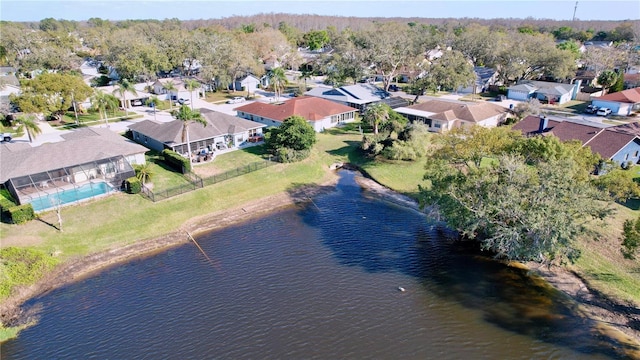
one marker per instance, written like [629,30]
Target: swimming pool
[68,196]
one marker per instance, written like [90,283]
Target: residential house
[551,92]
[181,91]
[631,80]
[623,103]
[357,96]
[620,144]
[88,162]
[129,98]
[320,113]
[222,132]
[248,83]
[444,115]
[485,77]
[9,84]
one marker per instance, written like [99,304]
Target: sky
[35,10]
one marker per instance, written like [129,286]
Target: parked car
[393,87]
[5,137]
[591,109]
[136,103]
[182,101]
[236,100]
[603,111]
[500,98]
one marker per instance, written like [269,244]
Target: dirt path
[619,321]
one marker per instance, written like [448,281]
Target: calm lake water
[313,282]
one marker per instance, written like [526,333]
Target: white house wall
[518,95]
[616,107]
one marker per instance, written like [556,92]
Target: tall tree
[278,79]
[30,125]
[188,116]
[606,79]
[388,48]
[102,101]
[192,85]
[51,94]
[122,88]
[170,86]
[377,115]
[505,206]
[452,71]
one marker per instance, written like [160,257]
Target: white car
[603,111]
[136,103]
[236,100]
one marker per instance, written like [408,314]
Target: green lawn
[223,96]
[164,177]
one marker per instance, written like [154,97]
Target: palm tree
[170,87]
[305,75]
[121,88]
[29,123]
[187,116]
[278,79]
[144,172]
[153,101]
[376,114]
[101,102]
[191,85]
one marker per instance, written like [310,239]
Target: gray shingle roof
[218,124]
[356,94]
[452,110]
[79,147]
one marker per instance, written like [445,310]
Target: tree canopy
[530,208]
[51,93]
[292,140]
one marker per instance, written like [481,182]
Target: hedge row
[17,214]
[133,185]
[177,161]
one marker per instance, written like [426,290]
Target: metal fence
[196,182]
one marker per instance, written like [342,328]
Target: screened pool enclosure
[49,189]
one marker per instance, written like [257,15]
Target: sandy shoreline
[620,321]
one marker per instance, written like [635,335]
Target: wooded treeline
[221,50]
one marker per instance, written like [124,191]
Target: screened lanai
[70,184]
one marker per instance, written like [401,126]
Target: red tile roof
[631,96]
[309,107]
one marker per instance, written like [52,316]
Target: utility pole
[574,11]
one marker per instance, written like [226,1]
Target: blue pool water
[70,195]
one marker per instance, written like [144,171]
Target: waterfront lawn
[123,219]
[602,265]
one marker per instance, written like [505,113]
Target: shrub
[21,214]
[287,155]
[6,200]
[176,161]
[22,266]
[133,185]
